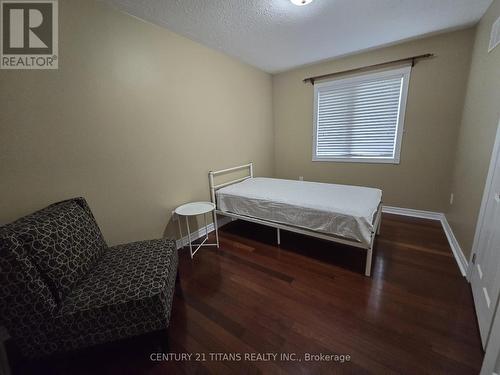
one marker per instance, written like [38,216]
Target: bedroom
[148,97]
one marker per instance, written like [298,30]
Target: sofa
[62,288]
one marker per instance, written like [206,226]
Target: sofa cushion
[129,292]
[64,242]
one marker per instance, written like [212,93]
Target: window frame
[404,73]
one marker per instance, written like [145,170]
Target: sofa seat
[128,292]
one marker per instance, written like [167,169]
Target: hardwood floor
[413,316]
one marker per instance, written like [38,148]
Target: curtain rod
[413,59]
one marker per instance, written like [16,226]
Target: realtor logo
[29,34]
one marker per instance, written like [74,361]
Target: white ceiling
[275,35]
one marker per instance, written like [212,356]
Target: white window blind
[360,118]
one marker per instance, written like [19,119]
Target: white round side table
[194,209]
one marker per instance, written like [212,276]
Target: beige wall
[136,116]
[133,120]
[435,100]
[477,133]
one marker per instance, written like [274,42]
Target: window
[360,119]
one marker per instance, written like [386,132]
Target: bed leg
[379,225]
[368,267]
[278,235]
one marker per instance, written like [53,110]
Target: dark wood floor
[413,316]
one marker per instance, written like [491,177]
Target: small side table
[194,209]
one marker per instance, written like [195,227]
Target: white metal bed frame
[279,226]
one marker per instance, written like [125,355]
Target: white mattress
[339,210]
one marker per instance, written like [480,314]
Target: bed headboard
[213,174]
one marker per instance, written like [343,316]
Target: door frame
[495,154]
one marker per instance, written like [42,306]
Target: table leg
[181,239]
[216,229]
[206,227]
[189,237]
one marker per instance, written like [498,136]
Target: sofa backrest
[42,256]
[62,241]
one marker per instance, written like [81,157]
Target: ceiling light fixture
[301,2]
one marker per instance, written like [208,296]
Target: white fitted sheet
[339,210]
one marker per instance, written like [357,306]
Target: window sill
[358,160]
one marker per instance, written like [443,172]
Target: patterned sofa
[63,288]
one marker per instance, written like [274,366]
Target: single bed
[340,213]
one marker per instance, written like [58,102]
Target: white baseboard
[460,258]
[413,213]
[462,262]
[221,221]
